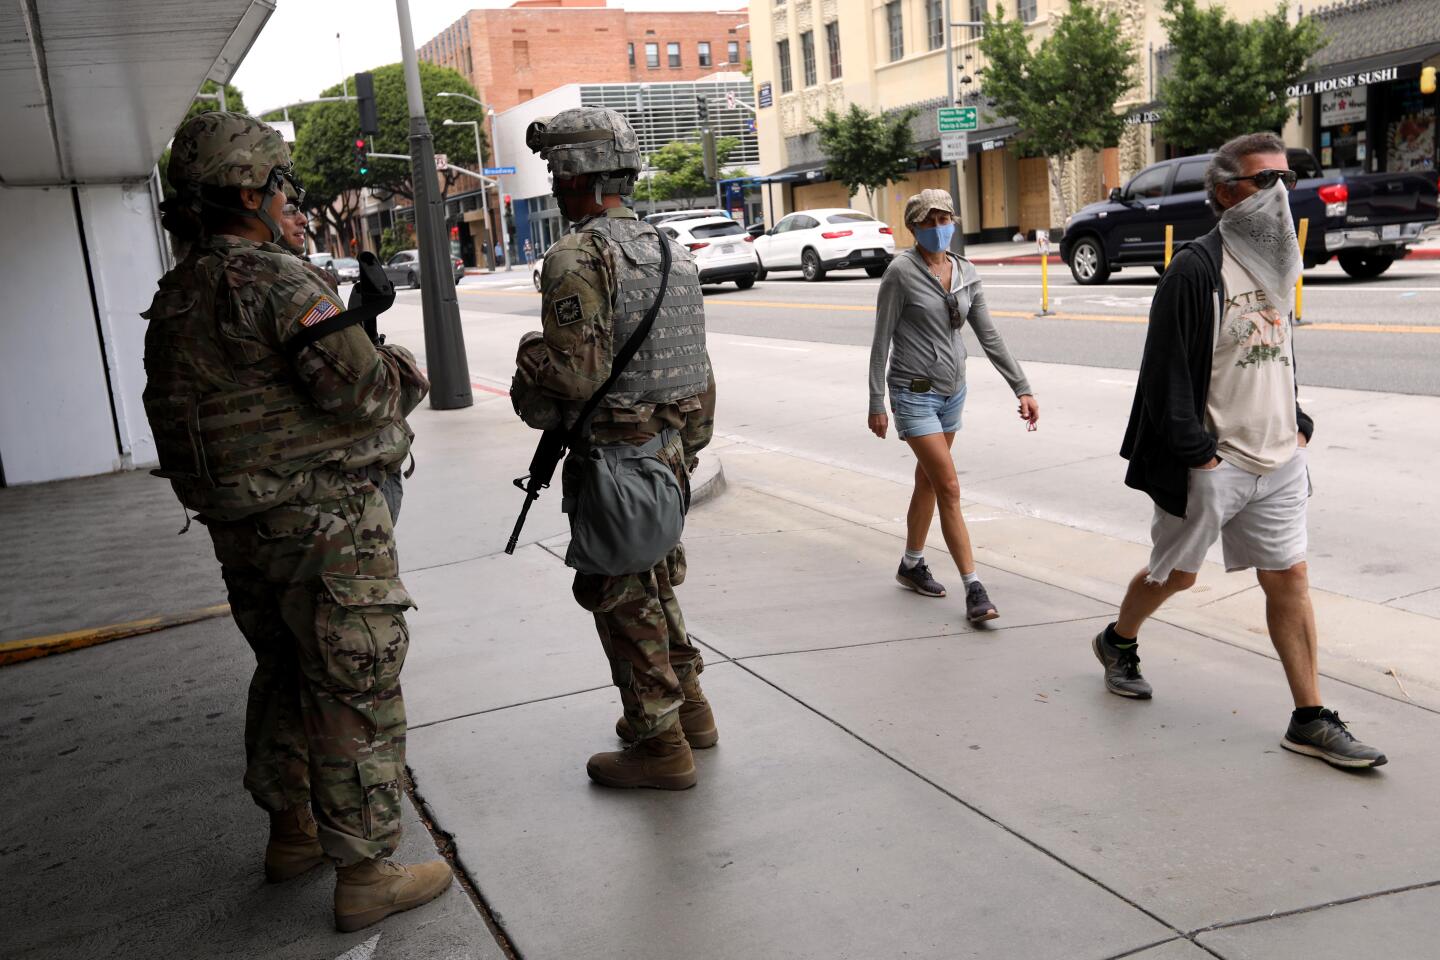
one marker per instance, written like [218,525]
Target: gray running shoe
[918,578]
[978,607]
[1328,738]
[1122,669]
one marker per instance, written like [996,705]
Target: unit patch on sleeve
[322,309]
[567,310]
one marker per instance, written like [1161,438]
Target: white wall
[120,229]
[531,178]
[55,417]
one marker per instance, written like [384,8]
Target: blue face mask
[935,239]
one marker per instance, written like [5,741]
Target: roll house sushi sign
[1347,82]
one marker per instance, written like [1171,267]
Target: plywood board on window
[1034,195]
[994,210]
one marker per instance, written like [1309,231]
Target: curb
[1018,258]
[33,648]
[708,481]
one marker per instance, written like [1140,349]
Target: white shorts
[1260,521]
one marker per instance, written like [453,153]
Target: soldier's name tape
[31,648]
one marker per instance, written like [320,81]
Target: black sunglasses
[1265,179]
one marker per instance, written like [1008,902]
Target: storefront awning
[1363,71]
[795,172]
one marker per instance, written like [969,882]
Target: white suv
[817,241]
[723,250]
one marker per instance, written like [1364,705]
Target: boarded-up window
[522,53]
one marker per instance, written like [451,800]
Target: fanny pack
[624,501]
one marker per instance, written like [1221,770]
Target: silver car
[403,269]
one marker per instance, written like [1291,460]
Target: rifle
[548,452]
[374,292]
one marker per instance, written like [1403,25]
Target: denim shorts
[919,414]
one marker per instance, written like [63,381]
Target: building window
[521,49]
[526,93]
[807,56]
[747,49]
[672,52]
[832,44]
[1026,10]
[786,84]
[732,51]
[652,56]
[978,10]
[630,49]
[896,28]
[704,54]
[935,23]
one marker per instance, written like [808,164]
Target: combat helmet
[589,140]
[217,149]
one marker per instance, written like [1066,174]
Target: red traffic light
[359,144]
[507,199]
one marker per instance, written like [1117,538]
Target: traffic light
[362,158]
[365,101]
[702,109]
[1427,80]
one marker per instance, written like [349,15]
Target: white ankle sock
[911,558]
[970,578]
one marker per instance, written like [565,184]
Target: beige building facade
[810,55]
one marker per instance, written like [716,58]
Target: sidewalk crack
[1314,908]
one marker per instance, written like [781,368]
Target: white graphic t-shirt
[1251,405]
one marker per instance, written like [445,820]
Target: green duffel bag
[625,505]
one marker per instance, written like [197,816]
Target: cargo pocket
[380,784]
[360,629]
[291,522]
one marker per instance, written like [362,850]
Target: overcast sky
[297,55]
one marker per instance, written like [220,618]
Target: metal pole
[499,187]
[444,343]
[957,240]
[344,77]
[223,108]
[484,199]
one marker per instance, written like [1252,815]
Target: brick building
[513,54]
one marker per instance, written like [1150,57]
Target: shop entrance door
[1034,195]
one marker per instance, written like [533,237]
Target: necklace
[935,272]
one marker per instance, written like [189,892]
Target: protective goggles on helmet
[283,179]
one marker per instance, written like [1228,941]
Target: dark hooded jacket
[1166,435]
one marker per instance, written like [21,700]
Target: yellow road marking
[30,648]
[1014,314]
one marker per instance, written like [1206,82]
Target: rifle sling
[308,335]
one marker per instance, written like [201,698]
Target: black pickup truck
[1367,220]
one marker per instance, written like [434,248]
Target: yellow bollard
[1169,243]
[1043,243]
[1300,281]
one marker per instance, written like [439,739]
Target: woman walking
[927,296]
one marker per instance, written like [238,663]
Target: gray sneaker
[978,607]
[1122,669]
[918,578]
[1328,738]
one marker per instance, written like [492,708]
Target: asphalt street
[1381,334]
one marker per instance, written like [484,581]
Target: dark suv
[1366,220]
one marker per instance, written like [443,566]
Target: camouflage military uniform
[281,447]
[637,615]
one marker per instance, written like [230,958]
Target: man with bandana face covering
[1217,439]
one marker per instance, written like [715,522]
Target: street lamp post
[444,341]
[499,188]
[484,191]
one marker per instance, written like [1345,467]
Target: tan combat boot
[695,719]
[369,891]
[663,762]
[292,849]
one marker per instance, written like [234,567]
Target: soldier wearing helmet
[597,284]
[269,408]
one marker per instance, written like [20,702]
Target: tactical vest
[672,363]
[206,424]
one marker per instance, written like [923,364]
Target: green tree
[394,239]
[1229,78]
[325,135]
[867,151]
[1062,94]
[680,171]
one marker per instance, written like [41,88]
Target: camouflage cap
[919,206]
[585,140]
[225,150]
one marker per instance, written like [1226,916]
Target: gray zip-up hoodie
[911,317]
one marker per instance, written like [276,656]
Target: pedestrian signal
[1427,80]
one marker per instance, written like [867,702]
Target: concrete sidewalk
[890,781]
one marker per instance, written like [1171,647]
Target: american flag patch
[322,309]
